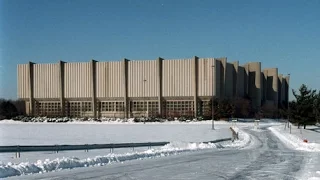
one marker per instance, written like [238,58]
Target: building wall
[254,83]
[77,79]
[46,81]
[270,85]
[241,81]
[142,79]
[221,71]
[177,78]
[229,81]
[206,76]
[282,88]
[23,81]
[109,79]
[235,74]
[118,89]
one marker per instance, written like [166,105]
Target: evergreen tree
[316,107]
[7,109]
[302,110]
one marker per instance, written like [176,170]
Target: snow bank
[244,140]
[294,141]
[104,121]
[47,165]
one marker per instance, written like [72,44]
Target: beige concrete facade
[129,88]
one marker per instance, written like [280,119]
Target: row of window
[78,108]
[47,109]
[110,106]
[144,106]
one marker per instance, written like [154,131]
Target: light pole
[212,101]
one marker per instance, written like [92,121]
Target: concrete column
[235,79]
[124,73]
[246,79]
[275,87]
[93,87]
[31,99]
[287,85]
[241,81]
[221,64]
[159,81]
[255,89]
[61,81]
[270,90]
[217,78]
[264,82]
[195,84]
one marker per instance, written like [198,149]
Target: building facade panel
[282,87]
[142,79]
[218,77]
[236,78]
[229,81]
[77,79]
[46,81]
[177,77]
[254,83]
[241,81]
[270,89]
[206,73]
[109,79]
[23,81]
[221,76]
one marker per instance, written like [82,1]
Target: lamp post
[212,101]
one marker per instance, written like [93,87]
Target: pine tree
[316,107]
[302,110]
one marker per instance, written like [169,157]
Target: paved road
[267,158]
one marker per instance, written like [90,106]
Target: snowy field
[184,137]
[19,133]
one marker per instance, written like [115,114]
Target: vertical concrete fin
[195,85]
[235,78]
[61,82]
[287,88]
[125,86]
[93,86]
[31,99]
[222,69]
[217,78]
[159,79]
[275,87]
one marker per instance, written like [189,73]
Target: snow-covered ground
[19,133]
[184,137]
[295,140]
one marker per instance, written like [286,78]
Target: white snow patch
[243,142]
[294,141]
[47,165]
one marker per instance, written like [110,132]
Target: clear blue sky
[283,34]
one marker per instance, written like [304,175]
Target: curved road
[266,158]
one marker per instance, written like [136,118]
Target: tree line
[11,108]
[242,107]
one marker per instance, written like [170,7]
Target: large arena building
[133,88]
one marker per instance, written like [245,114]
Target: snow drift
[47,165]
